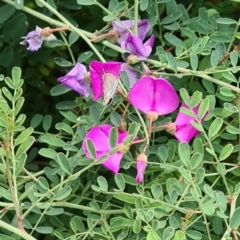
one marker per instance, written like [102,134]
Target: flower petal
[75,79]
[141,166]
[141,95]
[143,28]
[113,162]
[99,135]
[97,70]
[165,97]
[185,133]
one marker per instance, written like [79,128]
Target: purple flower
[75,80]
[133,76]
[99,135]
[143,28]
[141,166]
[35,39]
[153,95]
[135,46]
[101,84]
[182,128]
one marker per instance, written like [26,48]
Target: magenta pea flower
[76,80]
[141,166]
[151,95]
[104,79]
[182,127]
[35,39]
[99,135]
[122,32]
[135,46]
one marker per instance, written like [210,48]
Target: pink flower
[135,46]
[143,28]
[97,73]
[141,166]
[99,135]
[75,80]
[184,131]
[153,95]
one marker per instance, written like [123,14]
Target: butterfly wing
[110,84]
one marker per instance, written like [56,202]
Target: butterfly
[110,84]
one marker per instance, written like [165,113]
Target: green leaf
[48,153]
[44,230]
[199,176]
[85,56]
[69,115]
[113,137]
[59,90]
[168,233]
[179,50]
[214,58]
[52,140]
[196,99]
[66,105]
[215,127]
[61,62]
[209,191]
[226,21]
[36,120]
[91,148]
[163,153]
[185,96]
[63,193]
[196,45]
[20,163]
[43,183]
[25,145]
[222,201]
[78,223]
[102,182]
[128,210]
[64,127]
[221,169]
[194,61]
[227,92]
[119,180]
[54,211]
[22,136]
[54,44]
[5,194]
[192,234]
[64,163]
[226,152]
[171,18]
[5,237]
[196,161]
[179,235]
[6,11]
[115,119]
[234,58]
[137,226]
[203,108]
[171,61]
[19,105]
[172,39]
[73,37]
[47,121]
[186,174]
[184,153]
[133,129]
[95,114]
[7,94]
[18,4]
[235,219]
[144,5]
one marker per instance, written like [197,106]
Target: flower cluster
[152,96]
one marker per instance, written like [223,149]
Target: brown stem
[109,34]
[59,29]
[157,127]
[139,141]
[234,234]
[120,92]
[150,127]
[125,111]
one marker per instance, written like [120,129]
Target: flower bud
[170,128]
[141,166]
[132,59]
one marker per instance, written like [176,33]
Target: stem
[233,38]
[78,31]
[68,47]
[136,17]
[12,229]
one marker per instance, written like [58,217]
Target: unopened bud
[170,128]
